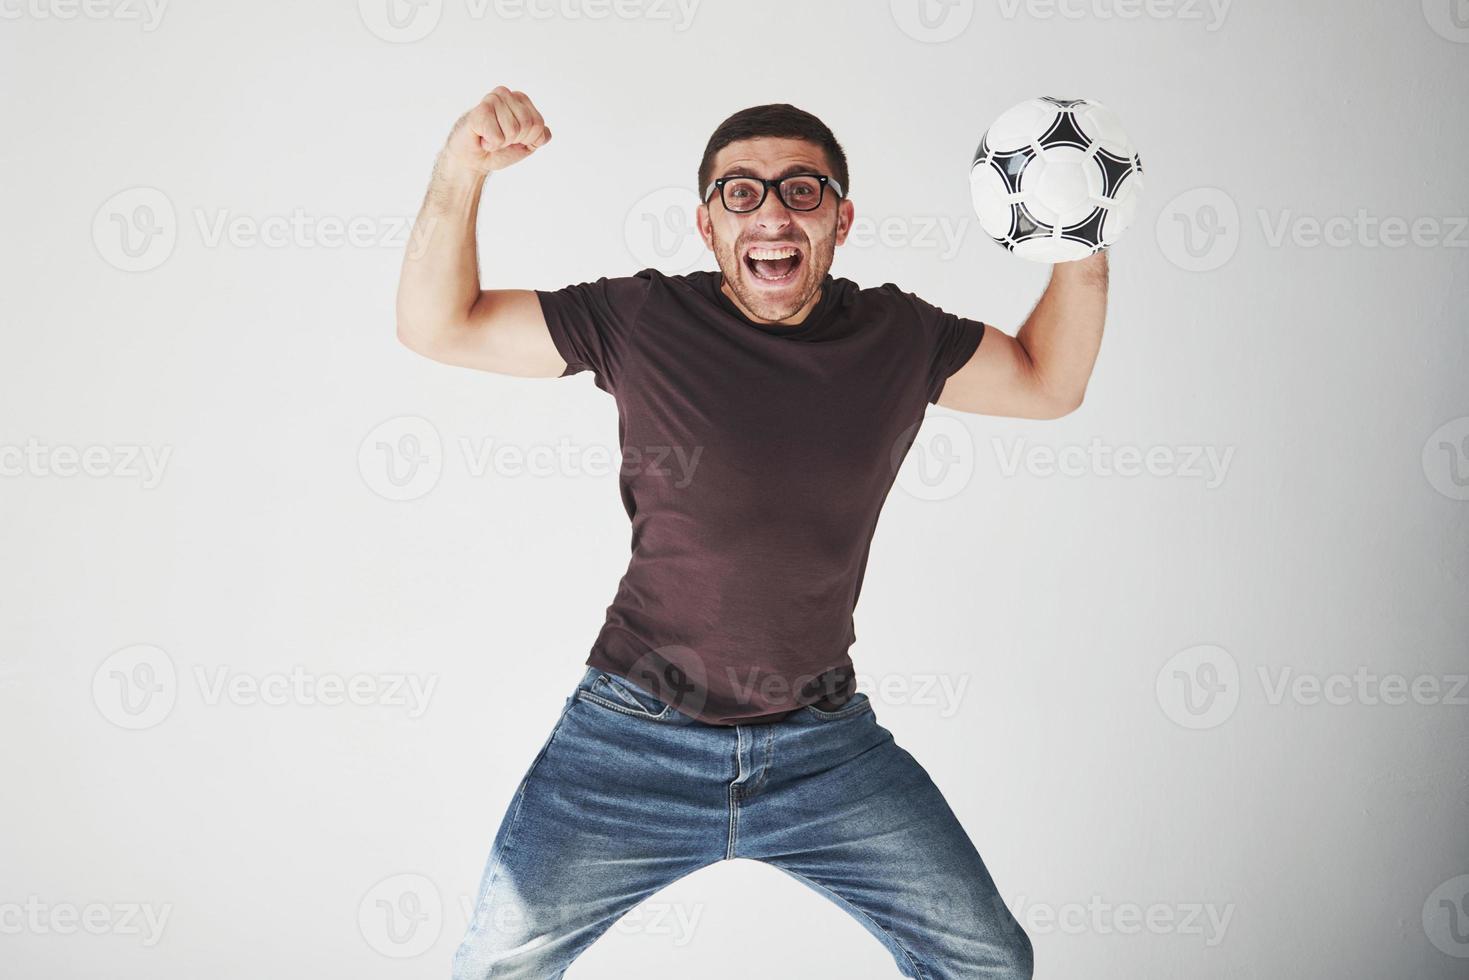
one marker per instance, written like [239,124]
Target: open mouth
[773,265]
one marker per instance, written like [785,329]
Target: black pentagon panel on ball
[1024,225]
[1011,165]
[1114,171]
[1064,132]
[1088,231]
[983,150]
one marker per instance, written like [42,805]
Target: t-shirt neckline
[814,320]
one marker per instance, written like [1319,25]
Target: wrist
[455,185]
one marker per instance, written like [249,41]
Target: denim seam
[919,973]
[618,690]
[855,709]
[586,695]
[769,758]
[734,787]
[498,858]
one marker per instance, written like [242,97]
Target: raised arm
[1041,372]
[442,312]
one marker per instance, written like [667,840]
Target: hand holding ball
[1055,179]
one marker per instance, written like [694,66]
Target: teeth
[771,253]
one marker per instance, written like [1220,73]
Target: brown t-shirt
[755,461]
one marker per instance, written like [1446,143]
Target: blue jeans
[627,796]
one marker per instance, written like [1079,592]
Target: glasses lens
[801,193]
[742,194]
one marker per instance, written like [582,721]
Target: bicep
[998,379]
[504,332]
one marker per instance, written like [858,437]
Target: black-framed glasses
[799,192]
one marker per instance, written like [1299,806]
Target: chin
[767,308]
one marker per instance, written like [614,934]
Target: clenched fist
[503,129]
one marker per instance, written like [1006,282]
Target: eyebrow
[740,170]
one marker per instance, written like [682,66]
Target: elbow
[409,334]
[419,335]
[1060,406]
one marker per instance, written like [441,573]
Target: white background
[281,839]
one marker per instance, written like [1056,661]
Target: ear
[706,227]
[845,215]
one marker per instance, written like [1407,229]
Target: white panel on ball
[1055,180]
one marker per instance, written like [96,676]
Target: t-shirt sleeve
[951,340]
[957,338]
[592,324]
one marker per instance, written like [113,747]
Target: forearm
[439,283]
[1064,332]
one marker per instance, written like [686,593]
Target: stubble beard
[810,275]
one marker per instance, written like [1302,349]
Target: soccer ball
[1055,179]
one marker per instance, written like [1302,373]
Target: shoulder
[698,281]
[888,300]
[619,297]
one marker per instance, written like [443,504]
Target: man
[763,411]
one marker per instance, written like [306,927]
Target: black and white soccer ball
[1055,179]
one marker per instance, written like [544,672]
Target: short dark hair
[781,120]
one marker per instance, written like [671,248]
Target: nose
[772,212]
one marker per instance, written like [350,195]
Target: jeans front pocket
[858,704]
[620,694]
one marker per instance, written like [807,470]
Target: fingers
[509,117]
[534,134]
